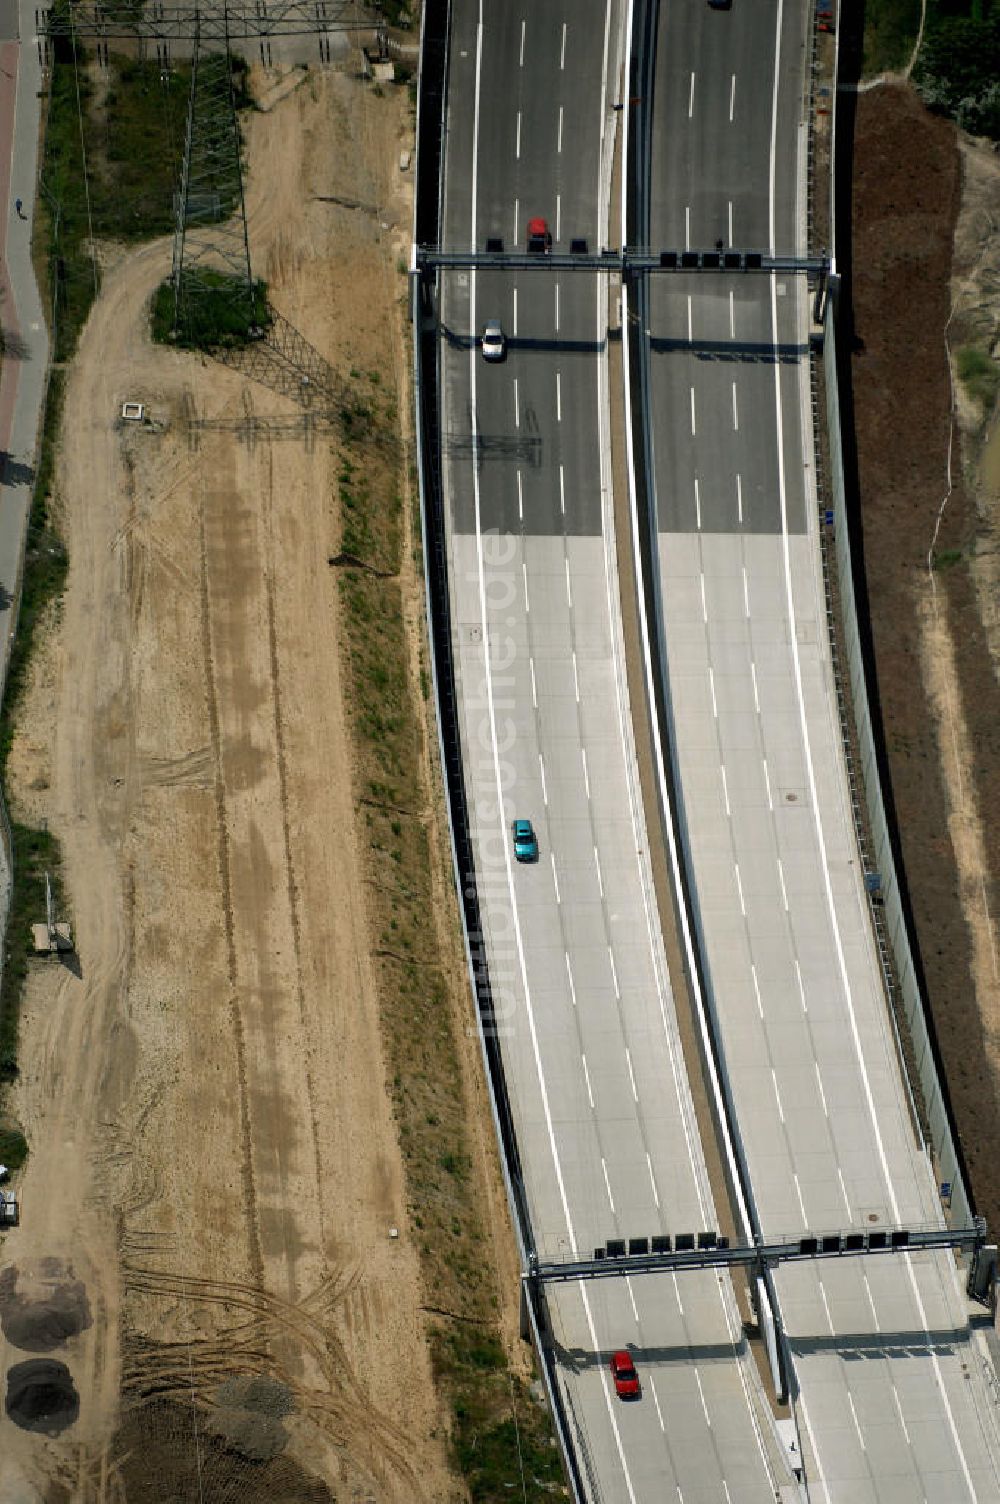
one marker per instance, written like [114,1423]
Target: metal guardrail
[431,127]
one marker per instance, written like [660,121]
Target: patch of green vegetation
[13,1148]
[214,311]
[491,1456]
[35,852]
[891,30]
[501,1435]
[979,374]
[956,72]
[110,169]
[946,559]
[398,12]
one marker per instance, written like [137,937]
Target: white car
[494,341]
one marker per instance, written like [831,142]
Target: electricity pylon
[211,245]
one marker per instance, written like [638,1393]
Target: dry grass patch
[502,1435]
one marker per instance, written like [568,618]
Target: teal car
[525,841]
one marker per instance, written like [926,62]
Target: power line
[209,23]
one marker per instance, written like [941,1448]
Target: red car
[539,235]
[627,1386]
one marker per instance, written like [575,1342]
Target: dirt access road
[215,1170]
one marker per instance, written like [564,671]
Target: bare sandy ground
[213,1151]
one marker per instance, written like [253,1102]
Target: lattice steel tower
[211,246]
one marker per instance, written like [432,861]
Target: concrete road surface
[894,1400]
[603,1113]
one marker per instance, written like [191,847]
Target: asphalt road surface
[602,1109]
[894,1401]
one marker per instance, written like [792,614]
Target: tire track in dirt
[291,885]
[254,1249]
[344,1410]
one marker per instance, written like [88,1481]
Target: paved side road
[22,376]
[24,365]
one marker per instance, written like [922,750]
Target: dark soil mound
[41,1396]
[42,1304]
[257,1392]
[167,1451]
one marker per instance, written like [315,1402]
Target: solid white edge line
[519,942]
[811,772]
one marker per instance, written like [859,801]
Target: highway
[604,1120]
[893,1399]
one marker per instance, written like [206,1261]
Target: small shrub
[956,72]
[979,374]
[13,1148]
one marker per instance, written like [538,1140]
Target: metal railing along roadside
[855,783]
[431,125]
[907,1006]
[913,1032]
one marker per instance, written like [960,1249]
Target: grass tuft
[979,374]
[891,29]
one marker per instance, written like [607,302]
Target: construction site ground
[206,1287]
[926,283]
